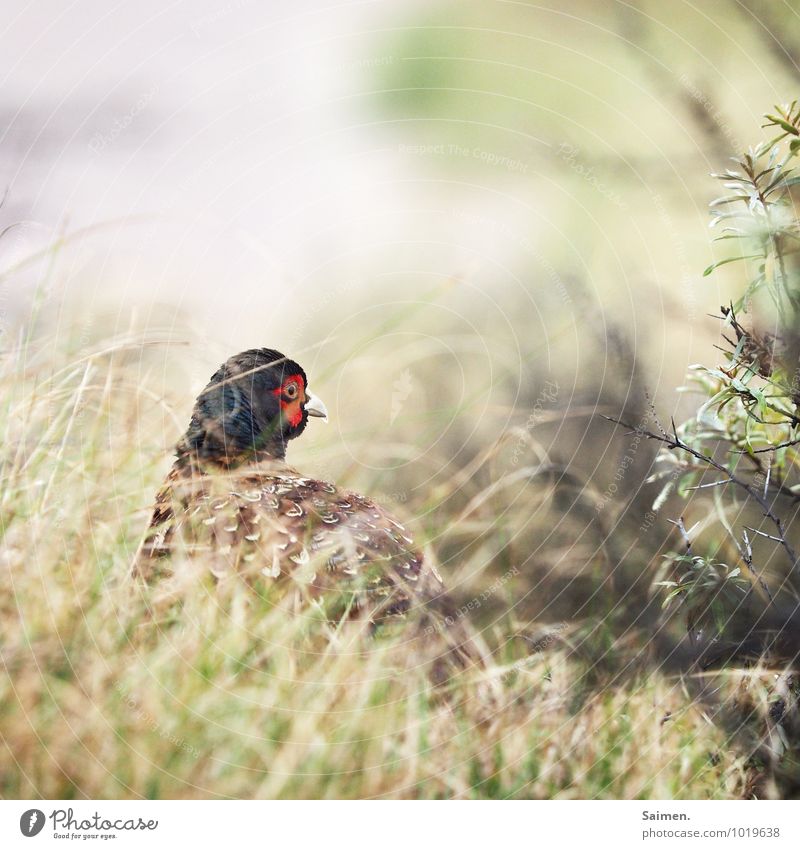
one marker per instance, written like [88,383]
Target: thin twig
[762,534]
[786,444]
[747,557]
[684,533]
[706,485]
[684,600]
[676,442]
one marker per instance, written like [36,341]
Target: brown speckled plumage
[267,522]
[248,514]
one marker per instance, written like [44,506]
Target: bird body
[233,502]
[270,525]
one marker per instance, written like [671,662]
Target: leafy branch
[675,442]
[757,210]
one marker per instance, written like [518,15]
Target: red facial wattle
[292,408]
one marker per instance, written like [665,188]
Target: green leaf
[715,265]
[784,125]
[728,199]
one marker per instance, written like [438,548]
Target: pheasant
[232,500]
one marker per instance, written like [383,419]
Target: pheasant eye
[291,390]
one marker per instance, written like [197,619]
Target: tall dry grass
[109,690]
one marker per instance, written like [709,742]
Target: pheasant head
[253,405]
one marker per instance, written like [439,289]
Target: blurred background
[478,225]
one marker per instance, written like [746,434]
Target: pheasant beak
[315,407]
